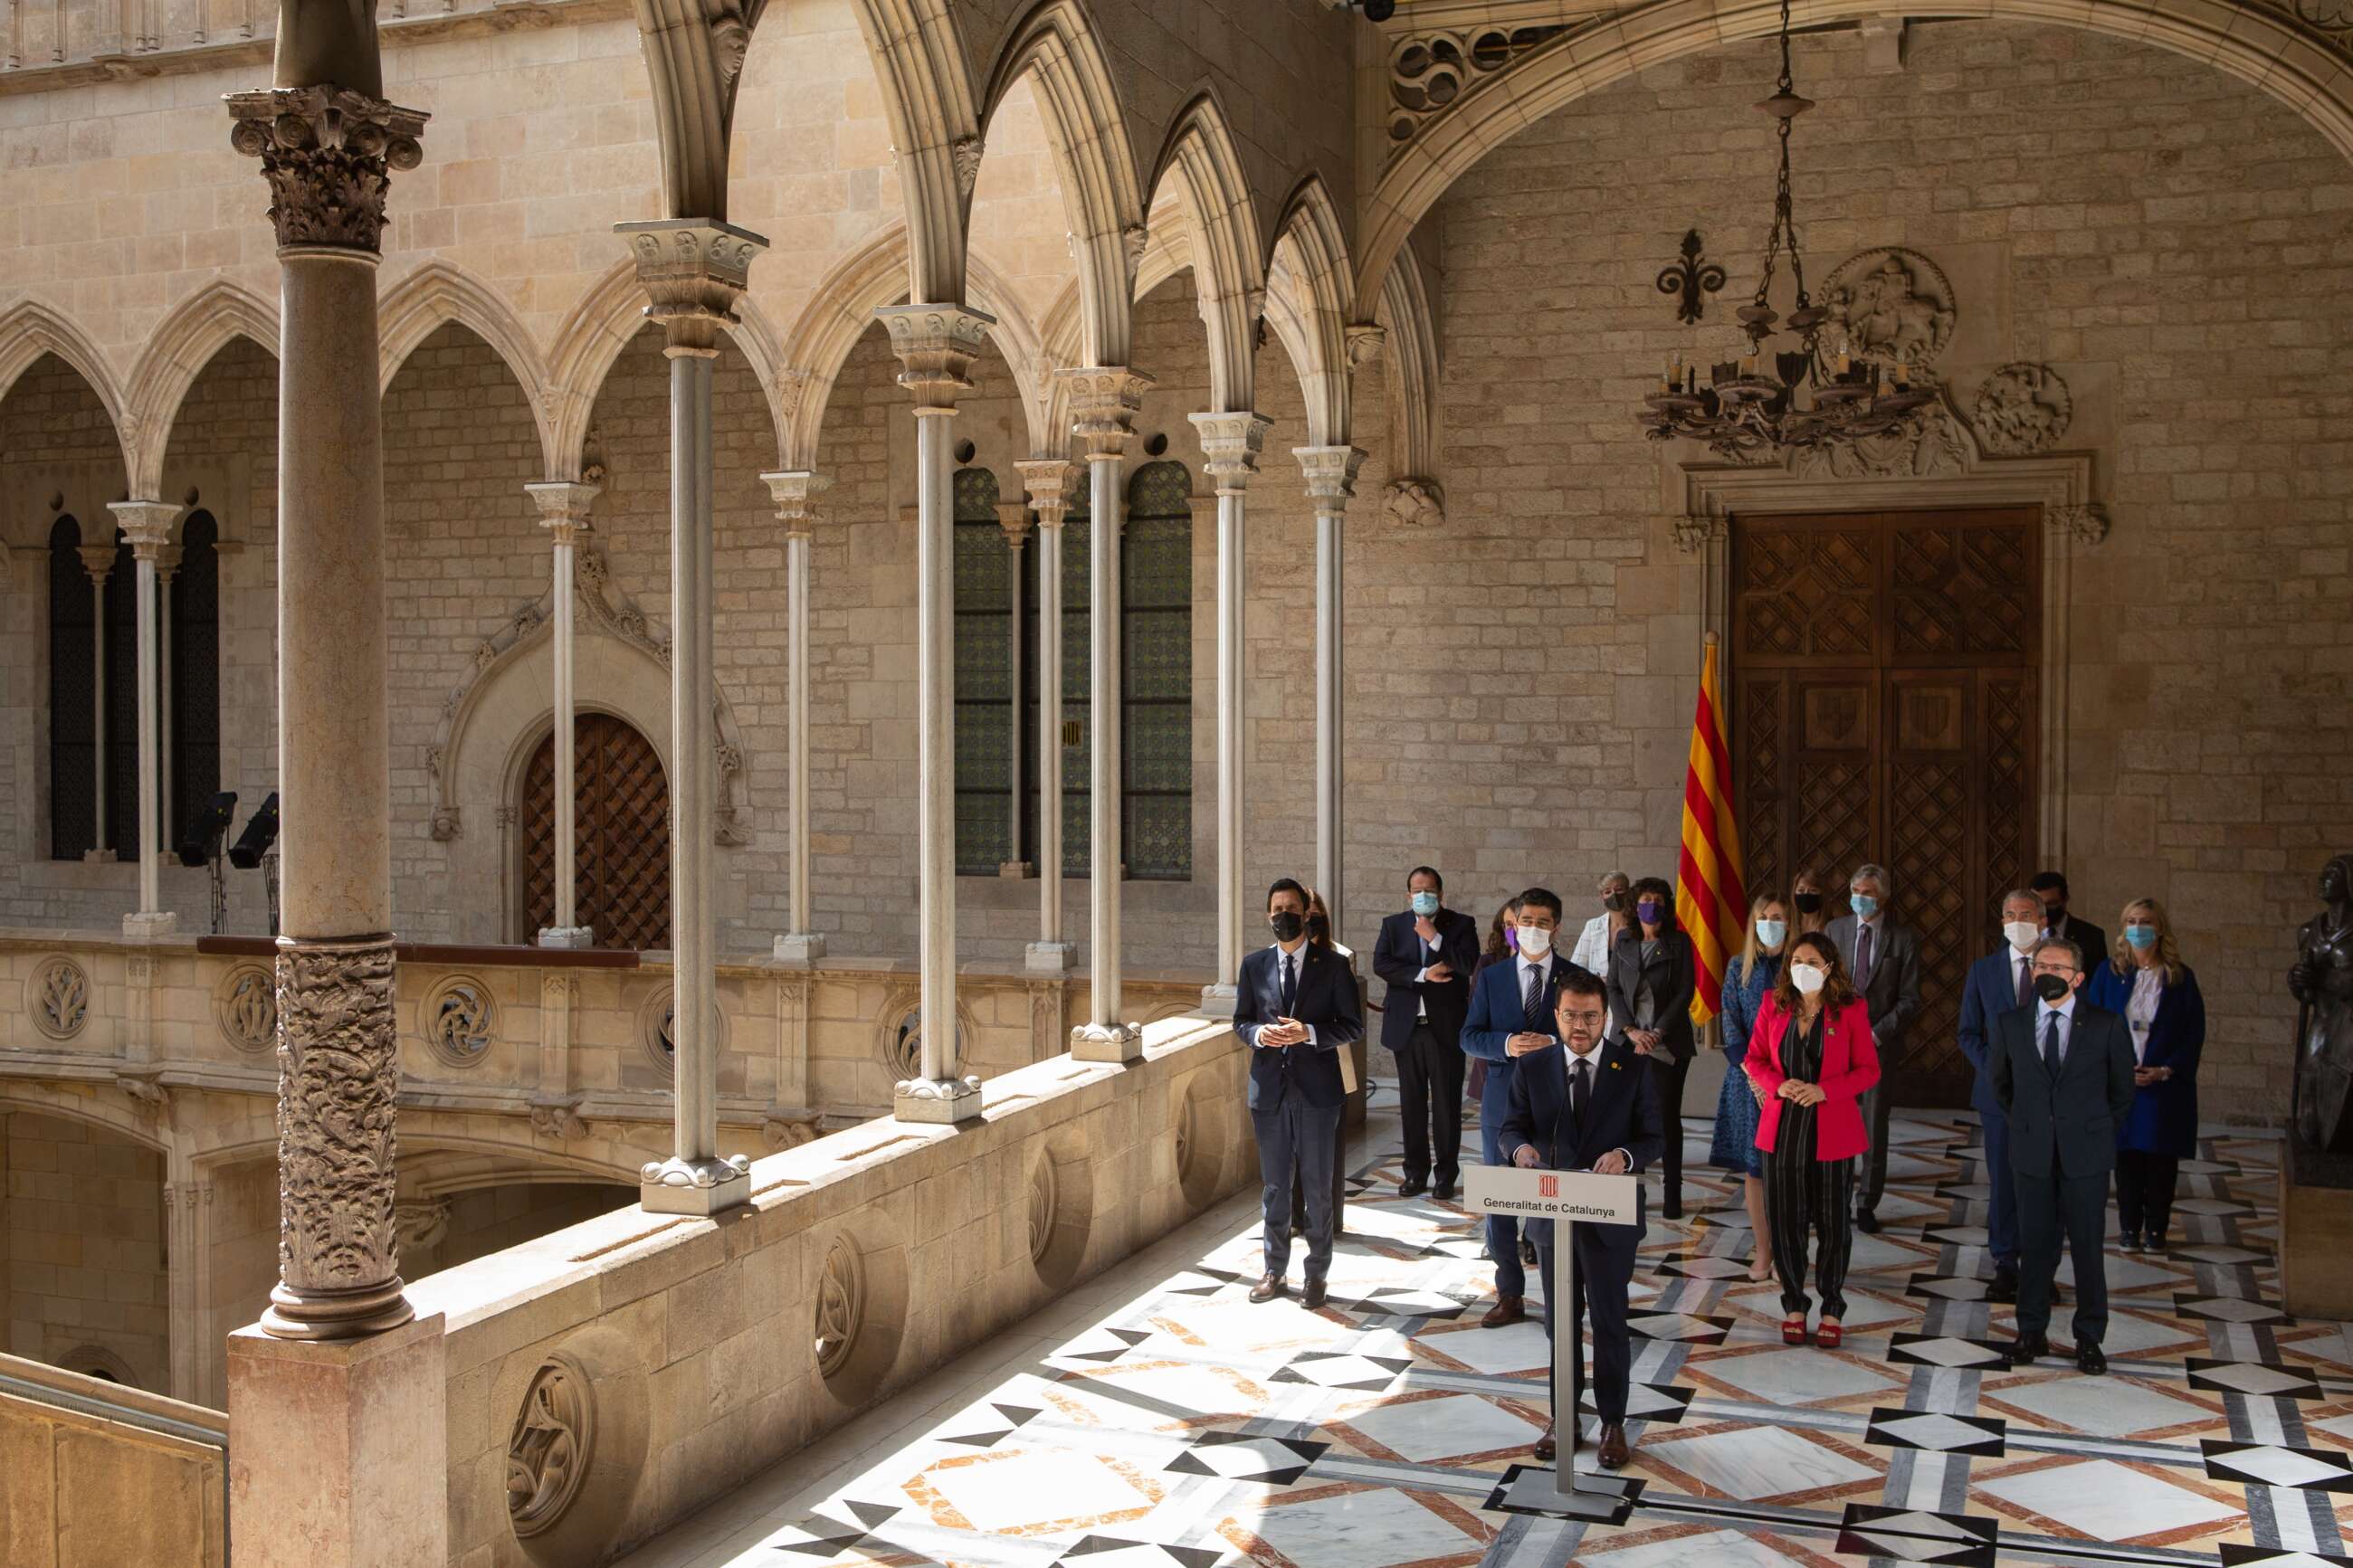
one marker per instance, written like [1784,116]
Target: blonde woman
[1748,977]
[2144,980]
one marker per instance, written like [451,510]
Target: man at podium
[1586,1106]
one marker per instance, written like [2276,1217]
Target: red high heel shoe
[1793,1329]
[1829,1335]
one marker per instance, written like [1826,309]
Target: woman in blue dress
[1748,981]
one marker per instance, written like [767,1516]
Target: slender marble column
[327,154]
[1331,473]
[148,525]
[563,509]
[1105,400]
[1230,444]
[1013,518]
[1048,480]
[936,345]
[796,495]
[98,560]
[694,270]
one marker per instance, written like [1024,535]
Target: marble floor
[1154,1417]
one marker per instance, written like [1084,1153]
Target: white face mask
[1535,941]
[1806,978]
[2021,934]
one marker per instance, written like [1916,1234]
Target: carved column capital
[1104,401]
[563,507]
[1414,501]
[1013,517]
[98,560]
[1230,445]
[1693,533]
[936,345]
[167,562]
[147,524]
[1330,474]
[795,496]
[2085,522]
[693,269]
[1047,482]
[328,155]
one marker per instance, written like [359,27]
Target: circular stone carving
[60,993]
[1186,1139]
[245,1005]
[549,1450]
[840,1306]
[658,1026]
[1890,304]
[1204,1131]
[902,1039]
[1045,1201]
[460,1020]
[2023,409]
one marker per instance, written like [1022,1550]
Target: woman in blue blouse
[1747,980]
[2144,982]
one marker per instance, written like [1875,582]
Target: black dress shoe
[1312,1297]
[1268,1289]
[2018,1353]
[2004,1287]
[2129,1241]
[1443,1192]
[1413,1187]
[1866,1222]
[2091,1360]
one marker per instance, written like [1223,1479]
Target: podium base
[1599,1499]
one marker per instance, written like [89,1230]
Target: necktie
[1579,1085]
[2050,1045]
[2025,980]
[1532,1009]
[1861,954]
[1290,982]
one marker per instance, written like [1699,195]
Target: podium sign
[1568,1199]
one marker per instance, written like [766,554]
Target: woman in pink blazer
[1811,1055]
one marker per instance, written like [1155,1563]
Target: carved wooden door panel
[1883,674]
[620,836]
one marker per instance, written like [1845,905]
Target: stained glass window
[985,720]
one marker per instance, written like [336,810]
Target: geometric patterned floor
[1172,1425]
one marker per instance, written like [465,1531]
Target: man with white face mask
[1512,1015]
[2002,982]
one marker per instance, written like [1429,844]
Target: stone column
[795,496]
[1330,474]
[564,512]
[1230,444]
[98,560]
[326,154]
[1013,518]
[1048,480]
[1103,405]
[148,525]
[694,270]
[187,1218]
[938,345]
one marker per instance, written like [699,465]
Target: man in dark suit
[2062,1069]
[2002,982]
[1587,1106]
[1513,1002]
[1885,960]
[1296,1008]
[1426,954]
[2050,889]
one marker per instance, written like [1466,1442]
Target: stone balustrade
[99,1473]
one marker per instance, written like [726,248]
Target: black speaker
[260,833]
[205,829]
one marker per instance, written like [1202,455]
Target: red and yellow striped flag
[1709,902]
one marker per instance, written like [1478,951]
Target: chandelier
[1809,396]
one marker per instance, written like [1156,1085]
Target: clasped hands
[1283,1032]
[1527,1044]
[1644,1041]
[1613,1164]
[2144,1076]
[1801,1093]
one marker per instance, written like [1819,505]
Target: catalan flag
[1709,902]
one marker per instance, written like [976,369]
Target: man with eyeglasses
[2063,1071]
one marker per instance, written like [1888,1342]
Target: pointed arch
[198,328]
[928,102]
[1412,354]
[438,293]
[1087,127]
[1202,166]
[1311,292]
[29,329]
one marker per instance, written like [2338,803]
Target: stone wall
[85,1250]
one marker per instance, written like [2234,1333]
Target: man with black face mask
[2091,940]
[1296,1008]
[2063,1071]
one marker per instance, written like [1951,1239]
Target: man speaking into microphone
[1585,1106]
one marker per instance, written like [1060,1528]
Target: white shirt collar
[2065,1009]
[1299,953]
[1544,964]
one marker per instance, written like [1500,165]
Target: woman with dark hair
[1809,908]
[1812,1055]
[1503,943]
[1652,977]
[2145,983]
[1748,977]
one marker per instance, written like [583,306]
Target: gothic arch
[438,293]
[927,99]
[1201,167]
[1309,280]
[1412,352]
[29,329]
[199,326]
[2252,42]
[1087,127]
[108,1110]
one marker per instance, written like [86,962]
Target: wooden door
[620,836]
[1883,672]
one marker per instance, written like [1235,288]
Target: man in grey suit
[1883,959]
[2062,1070]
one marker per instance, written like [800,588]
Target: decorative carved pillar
[98,560]
[1013,518]
[564,512]
[938,345]
[795,496]
[148,525]
[694,272]
[1230,444]
[1330,474]
[1104,401]
[327,154]
[1048,480]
